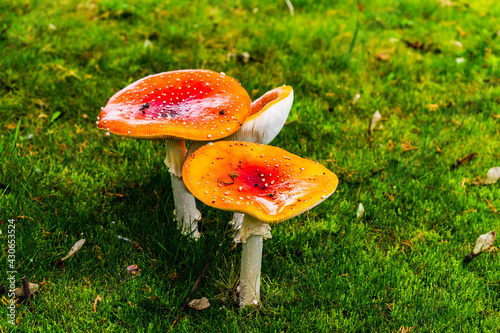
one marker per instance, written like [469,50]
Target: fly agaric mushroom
[267,184]
[267,117]
[176,106]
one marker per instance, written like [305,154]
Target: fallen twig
[27,293]
[26,287]
[374,172]
[195,285]
[191,292]
[443,189]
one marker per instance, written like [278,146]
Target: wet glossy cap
[262,181]
[186,104]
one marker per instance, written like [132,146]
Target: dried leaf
[404,329]
[390,145]
[19,292]
[422,46]
[375,119]
[73,249]
[133,269]
[199,304]
[487,54]
[355,99]
[446,3]
[464,181]
[97,299]
[407,146]
[384,56]
[361,210]
[434,107]
[491,206]
[492,176]
[484,242]
[463,161]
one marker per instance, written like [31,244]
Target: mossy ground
[432,70]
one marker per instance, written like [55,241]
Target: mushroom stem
[176,155]
[186,214]
[253,234]
[236,223]
[251,260]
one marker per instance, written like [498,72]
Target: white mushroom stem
[237,220]
[186,214]
[253,233]
[176,155]
[236,223]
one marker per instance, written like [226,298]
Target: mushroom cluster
[229,164]
[267,184]
[195,105]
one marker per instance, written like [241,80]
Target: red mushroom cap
[194,105]
[262,181]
